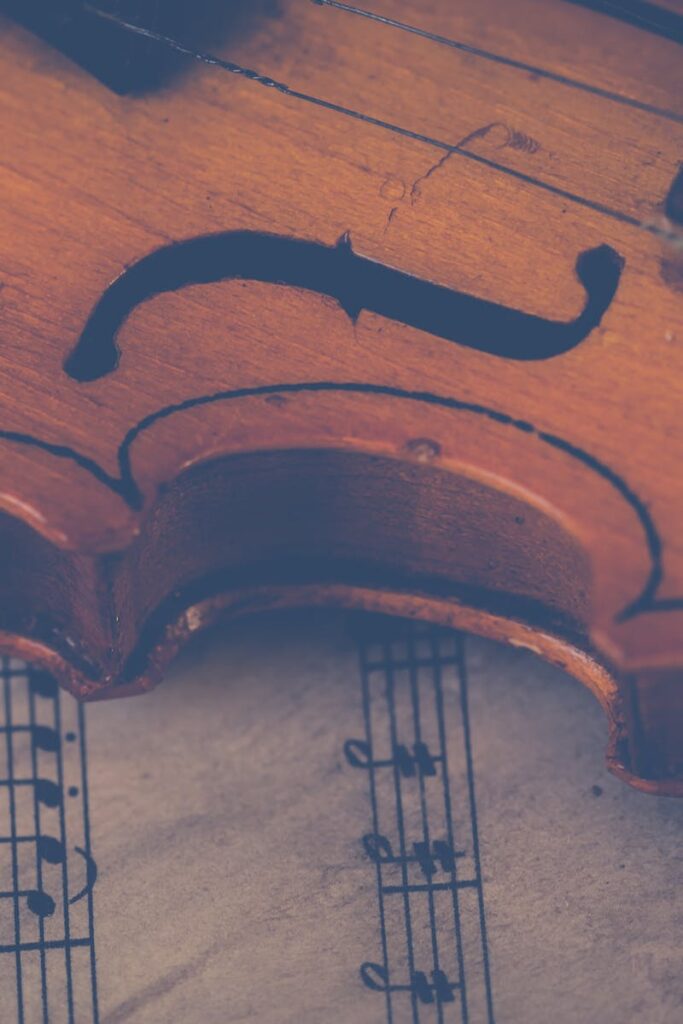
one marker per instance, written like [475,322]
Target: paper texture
[275,837]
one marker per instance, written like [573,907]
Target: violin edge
[222,541]
[613,693]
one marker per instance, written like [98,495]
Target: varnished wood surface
[256,435]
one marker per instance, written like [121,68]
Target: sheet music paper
[323,818]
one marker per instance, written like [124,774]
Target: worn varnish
[420,348]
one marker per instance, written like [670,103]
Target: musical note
[440,990]
[50,850]
[359,755]
[38,902]
[32,947]
[44,737]
[90,875]
[53,851]
[43,684]
[379,849]
[42,891]
[48,792]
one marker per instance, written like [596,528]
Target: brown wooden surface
[367,460]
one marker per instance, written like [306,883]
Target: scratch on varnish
[416,190]
[392,213]
[513,140]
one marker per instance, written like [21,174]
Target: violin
[374,305]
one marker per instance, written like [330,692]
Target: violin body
[380,309]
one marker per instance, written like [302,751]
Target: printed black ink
[41,886]
[420,863]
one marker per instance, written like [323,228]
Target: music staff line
[402,664]
[468,883]
[441,990]
[378,849]
[52,851]
[418,987]
[418,762]
[34,947]
[47,793]
[429,856]
[414,762]
[451,864]
[41,784]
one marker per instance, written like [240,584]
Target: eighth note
[38,902]
[359,755]
[90,875]
[47,792]
[44,737]
[50,850]
[43,684]
[379,849]
[376,978]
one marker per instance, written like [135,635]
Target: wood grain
[256,436]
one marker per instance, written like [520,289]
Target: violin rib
[380,318]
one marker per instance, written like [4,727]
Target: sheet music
[325,818]
[47,873]
[430,894]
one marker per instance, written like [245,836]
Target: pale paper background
[233,886]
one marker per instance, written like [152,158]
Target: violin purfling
[376,306]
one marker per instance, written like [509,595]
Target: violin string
[498,58]
[663,231]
